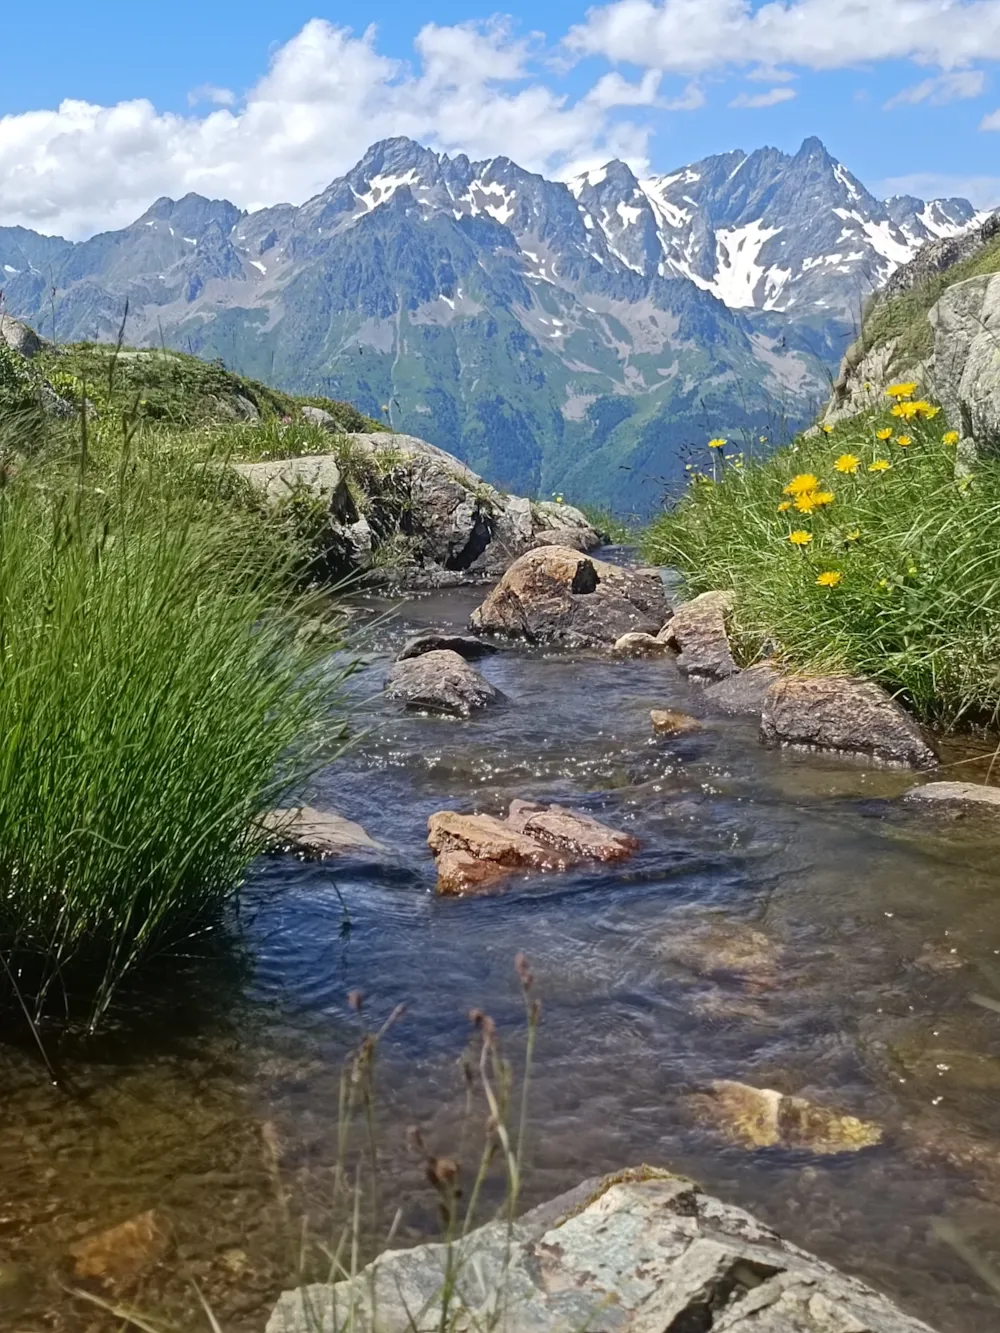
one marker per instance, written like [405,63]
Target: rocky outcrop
[446,522]
[965,367]
[318,834]
[845,715]
[642,1251]
[697,629]
[478,851]
[440,682]
[556,595]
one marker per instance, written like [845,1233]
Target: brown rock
[555,594]
[440,681]
[966,794]
[698,630]
[667,722]
[744,692]
[844,714]
[763,1118]
[571,834]
[476,851]
[432,641]
[639,645]
[318,833]
[119,1256]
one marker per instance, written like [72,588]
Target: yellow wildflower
[884,583]
[901,390]
[905,410]
[799,485]
[928,410]
[716,444]
[827,427]
[853,535]
[880,465]
[806,502]
[847,463]
[883,434]
[903,441]
[785,505]
[800,538]
[829,578]
[912,571]
[822,498]
[950,437]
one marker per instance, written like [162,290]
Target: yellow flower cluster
[806,494]
[920,410]
[950,437]
[901,390]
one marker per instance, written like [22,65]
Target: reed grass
[910,555]
[155,700]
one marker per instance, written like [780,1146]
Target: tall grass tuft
[154,701]
[897,576]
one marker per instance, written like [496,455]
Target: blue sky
[905,92]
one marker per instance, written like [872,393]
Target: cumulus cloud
[752,101]
[208,92]
[990,122]
[327,95]
[694,36]
[941,90]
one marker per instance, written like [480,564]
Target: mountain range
[575,336]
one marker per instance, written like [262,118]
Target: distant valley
[574,336]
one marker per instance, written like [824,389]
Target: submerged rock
[317,834]
[967,794]
[641,1251]
[697,629]
[763,1118]
[743,694]
[466,645]
[119,1256]
[473,851]
[555,594]
[842,714]
[667,722]
[440,681]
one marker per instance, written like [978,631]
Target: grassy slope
[917,549]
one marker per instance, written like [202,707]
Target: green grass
[917,548]
[903,316]
[155,699]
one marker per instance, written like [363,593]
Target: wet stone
[440,681]
[466,645]
[697,629]
[763,1118]
[965,795]
[668,722]
[743,693]
[317,834]
[119,1256]
[639,645]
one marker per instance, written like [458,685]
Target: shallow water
[784,924]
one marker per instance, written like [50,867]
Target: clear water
[785,924]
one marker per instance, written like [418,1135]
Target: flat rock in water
[119,1256]
[843,714]
[558,595]
[478,851]
[668,722]
[440,681]
[466,645]
[763,1118]
[697,629]
[641,1251]
[744,692]
[317,834]
[956,793]
[639,645]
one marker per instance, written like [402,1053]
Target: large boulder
[641,1251]
[697,629]
[440,682]
[20,337]
[477,851]
[743,694]
[965,367]
[842,714]
[432,641]
[555,594]
[967,795]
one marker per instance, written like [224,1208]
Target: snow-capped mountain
[572,336]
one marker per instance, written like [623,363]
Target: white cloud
[693,36]
[990,122]
[208,92]
[941,90]
[982,191]
[752,101]
[327,96]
